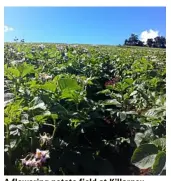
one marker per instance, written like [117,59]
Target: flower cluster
[37,159]
[59,47]
[84,50]
[15,62]
[45,139]
[74,46]
[33,50]
[45,76]
[74,52]
[112,81]
[41,47]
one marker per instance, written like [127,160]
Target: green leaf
[14,72]
[8,102]
[40,118]
[139,138]
[35,126]
[32,83]
[66,94]
[8,96]
[7,120]
[13,112]
[50,86]
[25,69]
[149,134]
[37,103]
[106,91]
[133,93]
[159,163]
[13,143]
[75,122]
[144,156]
[160,143]
[59,109]
[155,113]
[6,148]
[122,116]
[39,106]
[54,116]
[24,118]
[12,126]
[15,132]
[129,80]
[66,83]
[131,112]
[112,102]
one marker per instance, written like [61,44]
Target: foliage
[84,110]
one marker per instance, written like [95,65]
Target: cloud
[7,28]
[148,34]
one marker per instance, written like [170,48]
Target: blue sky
[85,25]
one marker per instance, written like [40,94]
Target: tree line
[157,42]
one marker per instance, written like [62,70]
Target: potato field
[84,110]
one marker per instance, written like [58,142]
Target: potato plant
[84,110]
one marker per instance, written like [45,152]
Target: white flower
[42,154]
[45,139]
[74,52]
[17,61]
[45,76]
[41,46]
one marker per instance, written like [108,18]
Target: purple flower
[37,159]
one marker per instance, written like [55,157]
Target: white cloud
[148,34]
[7,28]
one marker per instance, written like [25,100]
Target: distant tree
[150,42]
[126,42]
[140,43]
[22,41]
[133,41]
[163,42]
[158,42]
